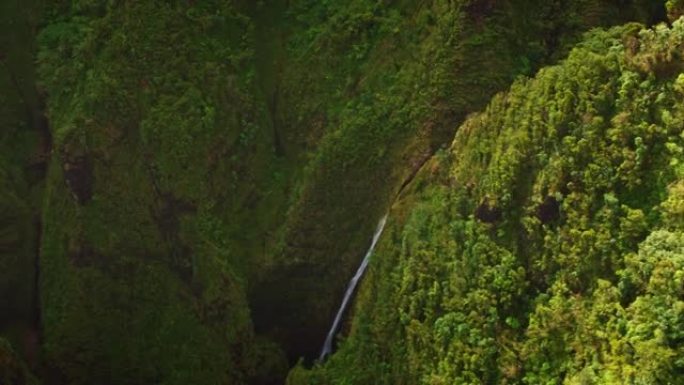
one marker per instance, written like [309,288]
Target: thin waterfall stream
[327,346]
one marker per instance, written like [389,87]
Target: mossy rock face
[156,119]
[203,173]
[584,163]
[382,87]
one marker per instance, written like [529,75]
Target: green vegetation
[546,245]
[379,86]
[187,186]
[156,147]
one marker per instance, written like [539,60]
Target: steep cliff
[187,186]
[159,160]
[380,86]
[546,245]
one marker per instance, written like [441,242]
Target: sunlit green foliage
[675,9]
[577,279]
[374,89]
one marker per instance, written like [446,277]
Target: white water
[327,346]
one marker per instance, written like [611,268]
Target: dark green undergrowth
[23,142]
[158,167]
[545,246]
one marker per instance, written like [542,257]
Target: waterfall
[327,346]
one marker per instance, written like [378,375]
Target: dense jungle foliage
[187,187]
[545,246]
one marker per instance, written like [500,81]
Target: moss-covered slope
[217,166]
[158,145]
[370,89]
[546,246]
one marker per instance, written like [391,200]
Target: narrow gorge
[188,188]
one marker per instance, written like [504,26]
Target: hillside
[188,186]
[545,246]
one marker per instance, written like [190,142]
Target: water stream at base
[327,346]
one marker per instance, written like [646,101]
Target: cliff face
[187,186]
[160,156]
[380,86]
[546,244]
